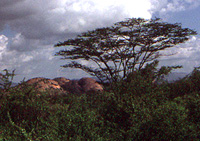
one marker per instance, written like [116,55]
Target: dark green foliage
[123,48]
[187,85]
[6,79]
[145,81]
[139,110]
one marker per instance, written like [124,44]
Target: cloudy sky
[30,28]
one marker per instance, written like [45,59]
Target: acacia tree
[122,48]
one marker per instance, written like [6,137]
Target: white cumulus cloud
[166,6]
[3,44]
[186,55]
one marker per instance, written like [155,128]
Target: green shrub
[186,85]
[145,112]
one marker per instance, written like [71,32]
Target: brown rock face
[62,81]
[74,87]
[90,85]
[43,84]
[83,85]
[71,86]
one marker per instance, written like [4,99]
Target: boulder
[90,85]
[84,85]
[68,85]
[62,81]
[74,87]
[43,84]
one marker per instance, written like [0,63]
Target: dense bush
[137,110]
[186,85]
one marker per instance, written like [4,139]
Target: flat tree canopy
[122,48]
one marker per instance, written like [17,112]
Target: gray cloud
[46,22]
[186,55]
[5,3]
[47,18]
[10,11]
[164,7]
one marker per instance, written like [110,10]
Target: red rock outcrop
[62,81]
[43,84]
[68,85]
[84,85]
[74,87]
[90,85]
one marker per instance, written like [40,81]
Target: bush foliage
[137,110]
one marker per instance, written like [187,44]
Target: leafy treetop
[122,48]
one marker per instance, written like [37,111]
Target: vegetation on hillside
[140,110]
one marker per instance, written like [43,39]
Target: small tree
[6,79]
[123,48]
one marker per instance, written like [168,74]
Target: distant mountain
[175,76]
[170,77]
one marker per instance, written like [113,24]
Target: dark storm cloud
[46,22]
[11,10]
[5,3]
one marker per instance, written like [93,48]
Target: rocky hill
[84,85]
